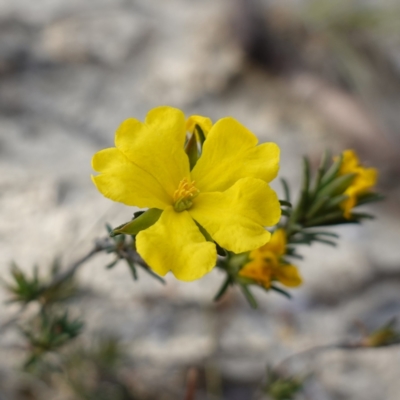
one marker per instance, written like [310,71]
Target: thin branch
[100,245]
[192,378]
[345,345]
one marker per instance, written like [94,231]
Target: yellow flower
[204,123]
[266,266]
[365,179]
[226,193]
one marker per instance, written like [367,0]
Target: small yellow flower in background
[226,193]
[266,266]
[364,180]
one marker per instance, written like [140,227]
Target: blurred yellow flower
[266,266]
[226,193]
[364,180]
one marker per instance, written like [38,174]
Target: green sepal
[220,250]
[144,221]
[369,198]
[192,151]
[200,133]
[285,203]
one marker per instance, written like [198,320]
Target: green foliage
[25,289]
[320,204]
[92,372]
[386,335]
[123,246]
[279,387]
[48,332]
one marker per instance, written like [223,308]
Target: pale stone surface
[87,67]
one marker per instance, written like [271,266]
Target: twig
[100,245]
[345,345]
[11,321]
[192,378]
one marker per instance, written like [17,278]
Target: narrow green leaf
[153,274]
[369,198]
[324,233]
[306,181]
[223,288]
[249,296]
[192,151]
[327,219]
[281,291]
[321,171]
[295,255]
[336,201]
[286,189]
[140,223]
[221,251]
[285,203]
[337,185]
[317,206]
[299,210]
[286,213]
[112,264]
[132,268]
[360,216]
[332,172]
[328,242]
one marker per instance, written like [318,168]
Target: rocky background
[71,71]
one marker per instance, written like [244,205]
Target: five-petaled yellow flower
[226,193]
[266,266]
[364,180]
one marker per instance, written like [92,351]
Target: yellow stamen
[184,195]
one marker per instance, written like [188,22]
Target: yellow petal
[121,180]
[230,153]
[174,243]
[256,270]
[350,162]
[277,244]
[236,218]
[288,275]
[204,123]
[157,146]
[365,179]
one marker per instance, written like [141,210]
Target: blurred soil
[71,71]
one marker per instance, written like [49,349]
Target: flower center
[184,195]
